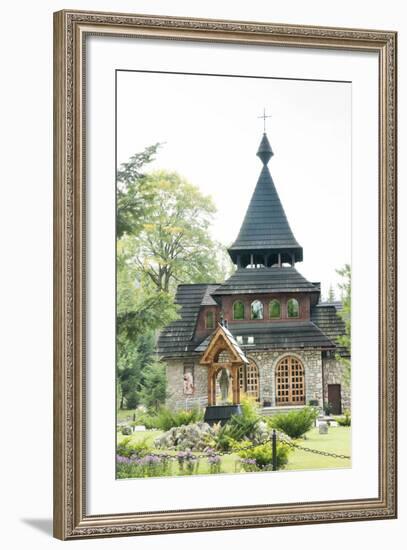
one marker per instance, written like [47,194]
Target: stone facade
[176,398]
[266,362]
[334,373]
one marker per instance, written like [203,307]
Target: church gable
[222,342]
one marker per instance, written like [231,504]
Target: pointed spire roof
[265,228]
[265,151]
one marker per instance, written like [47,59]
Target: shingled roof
[265,280]
[326,317]
[292,335]
[265,226]
[176,338]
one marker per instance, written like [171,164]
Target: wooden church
[265,325]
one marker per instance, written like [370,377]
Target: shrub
[247,426]
[124,449]
[261,457]
[238,428]
[128,448]
[294,423]
[344,420]
[249,407]
[126,430]
[145,419]
[167,419]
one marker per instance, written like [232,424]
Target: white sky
[211,131]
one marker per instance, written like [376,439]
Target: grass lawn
[148,435]
[125,415]
[337,440]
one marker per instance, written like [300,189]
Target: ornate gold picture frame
[71,30]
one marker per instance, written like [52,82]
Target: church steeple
[265,237]
[265,151]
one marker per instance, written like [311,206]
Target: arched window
[249,380]
[274,309]
[290,383]
[293,308]
[257,310]
[238,311]
[210,319]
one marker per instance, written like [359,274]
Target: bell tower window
[293,308]
[274,309]
[256,310]
[238,311]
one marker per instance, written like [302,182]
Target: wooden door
[290,383]
[334,398]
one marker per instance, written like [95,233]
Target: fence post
[274,449]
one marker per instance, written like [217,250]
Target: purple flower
[122,459]
[150,460]
[248,460]
[214,459]
[185,455]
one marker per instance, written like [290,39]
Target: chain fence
[189,455]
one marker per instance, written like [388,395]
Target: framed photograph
[225,274]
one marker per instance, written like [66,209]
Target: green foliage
[134,193]
[237,428]
[140,313]
[163,240]
[345,314]
[294,423]
[129,448]
[263,455]
[174,244]
[166,419]
[124,448]
[126,430]
[153,392]
[344,420]
[250,407]
[140,377]
[140,308]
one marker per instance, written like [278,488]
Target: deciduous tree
[345,314]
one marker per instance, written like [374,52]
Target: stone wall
[334,374]
[266,362]
[176,398]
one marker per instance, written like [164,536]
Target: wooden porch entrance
[223,352]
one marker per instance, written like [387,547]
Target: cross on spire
[264,116]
